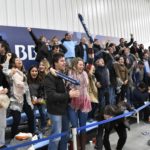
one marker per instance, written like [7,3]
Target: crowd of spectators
[108,75]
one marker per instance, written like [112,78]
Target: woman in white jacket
[20,99]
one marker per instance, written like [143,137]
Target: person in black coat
[134,49]
[96,46]
[57,101]
[103,78]
[123,44]
[119,125]
[81,50]
[41,46]
[3,51]
[146,60]
[141,51]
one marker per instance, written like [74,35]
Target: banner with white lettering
[22,44]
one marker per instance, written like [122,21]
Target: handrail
[78,129]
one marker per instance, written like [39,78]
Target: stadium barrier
[75,131]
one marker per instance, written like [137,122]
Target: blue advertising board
[22,44]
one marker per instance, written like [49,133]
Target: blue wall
[22,44]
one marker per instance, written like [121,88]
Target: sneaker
[4,146]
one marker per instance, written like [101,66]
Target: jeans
[55,129]
[42,112]
[112,95]
[103,96]
[129,95]
[65,127]
[59,124]
[77,118]
[2,125]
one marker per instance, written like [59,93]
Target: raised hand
[29,29]
[74,93]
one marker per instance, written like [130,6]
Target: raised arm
[35,39]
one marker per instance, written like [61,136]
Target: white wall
[116,18]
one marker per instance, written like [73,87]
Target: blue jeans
[103,96]
[65,127]
[129,95]
[112,95]
[77,118]
[55,129]
[59,124]
[42,112]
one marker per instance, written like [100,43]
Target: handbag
[4,101]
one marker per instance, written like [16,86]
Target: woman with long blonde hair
[44,67]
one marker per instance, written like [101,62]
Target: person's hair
[110,110]
[120,39]
[56,58]
[29,77]
[55,46]
[117,57]
[14,65]
[46,64]
[75,62]
[121,56]
[54,37]
[111,45]
[41,37]
[88,67]
[66,34]
[142,85]
[95,40]
[52,40]
[3,44]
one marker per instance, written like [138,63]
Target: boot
[83,140]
